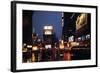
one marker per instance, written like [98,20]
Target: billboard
[81,21]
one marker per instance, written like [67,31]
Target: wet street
[44,55]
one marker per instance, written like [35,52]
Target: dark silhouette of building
[27,26]
[69,25]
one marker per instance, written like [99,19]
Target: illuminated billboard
[81,21]
[48,30]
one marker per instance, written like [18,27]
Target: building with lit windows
[56,36]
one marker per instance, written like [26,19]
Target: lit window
[87,36]
[29,46]
[71,38]
[48,27]
[47,32]
[48,46]
[34,48]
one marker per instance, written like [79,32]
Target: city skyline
[56,36]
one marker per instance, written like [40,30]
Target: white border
[23,66]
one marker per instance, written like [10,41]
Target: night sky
[42,18]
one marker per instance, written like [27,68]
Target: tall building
[83,23]
[27,26]
[48,36]
[69,28]
[27,35]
